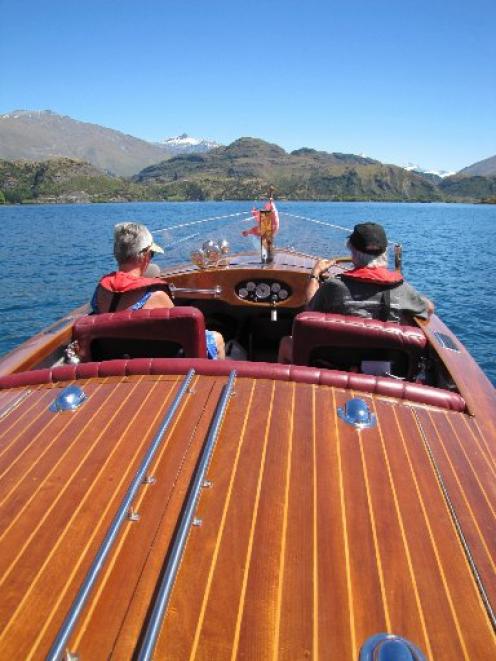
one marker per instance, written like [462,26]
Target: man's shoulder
[334,282]
[330,295]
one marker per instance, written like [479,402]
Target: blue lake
[52,256]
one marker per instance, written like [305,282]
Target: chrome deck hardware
[187,519]
[357,414]
[90,579]
[69,399]
[388,647]
[177,291]
[14,404]
[446,341]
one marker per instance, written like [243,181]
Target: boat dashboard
[244,281]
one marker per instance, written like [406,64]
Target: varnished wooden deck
[313,536]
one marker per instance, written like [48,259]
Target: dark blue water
[52,256]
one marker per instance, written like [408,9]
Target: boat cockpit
[226,276]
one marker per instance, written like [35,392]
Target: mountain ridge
[243,169]
[108,149]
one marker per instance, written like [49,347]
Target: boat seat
[344,342]
[159,332]
[382,386]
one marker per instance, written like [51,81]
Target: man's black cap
[369,238]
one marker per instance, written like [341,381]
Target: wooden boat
[176,507]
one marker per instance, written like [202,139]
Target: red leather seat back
[160,332]
[343,342]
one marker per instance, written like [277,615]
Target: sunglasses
[152,253]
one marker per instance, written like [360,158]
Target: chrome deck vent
[69,399]
[446,341]
[356,413]
[388,647]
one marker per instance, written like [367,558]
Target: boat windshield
[208,241]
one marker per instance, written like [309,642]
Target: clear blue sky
[397,80]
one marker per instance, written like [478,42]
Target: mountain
[42,135]
[246,168]
[485,168]
[185,144]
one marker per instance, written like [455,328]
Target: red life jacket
[121,282]
[379,276]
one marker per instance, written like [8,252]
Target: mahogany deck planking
[471,482]
[313,537]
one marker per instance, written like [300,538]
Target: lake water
[52,256]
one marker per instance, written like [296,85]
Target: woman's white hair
[131,241]
[361,259]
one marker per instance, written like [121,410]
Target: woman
[129,289]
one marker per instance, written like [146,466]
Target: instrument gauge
[243,292]
[276,288]
[262,290]
[283,294]
[251,286]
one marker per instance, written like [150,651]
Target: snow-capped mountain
[185,144]
[412,167]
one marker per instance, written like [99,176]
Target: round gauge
[243,292]
[251,286]
[276,287]
[283,294]
[262,291]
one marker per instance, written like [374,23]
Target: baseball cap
[369,238]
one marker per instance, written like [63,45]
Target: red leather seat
[343,342]
[161,332]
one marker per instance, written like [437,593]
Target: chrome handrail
[174,557]
[215,291]
[77,606]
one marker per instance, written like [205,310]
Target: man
[368,290]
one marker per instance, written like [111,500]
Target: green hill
[464,188]
[248,166]
[63,180]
